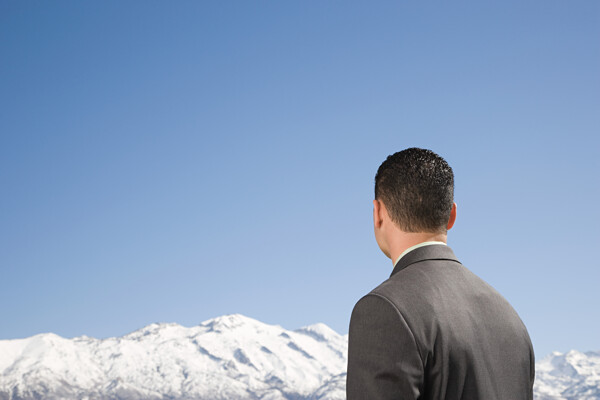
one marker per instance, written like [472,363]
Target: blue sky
[173,162]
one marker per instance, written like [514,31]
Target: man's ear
[452,217]
[377,214]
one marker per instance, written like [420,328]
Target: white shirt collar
[416,246]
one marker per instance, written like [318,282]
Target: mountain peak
[229,321]
[154,329]
[568,375]
[319,331]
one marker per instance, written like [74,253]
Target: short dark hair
[417,188]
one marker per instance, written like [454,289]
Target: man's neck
[406,240]
[416,246]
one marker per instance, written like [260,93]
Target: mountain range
[231,357]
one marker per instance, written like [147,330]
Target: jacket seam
[405,322]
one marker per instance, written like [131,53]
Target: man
[433,330]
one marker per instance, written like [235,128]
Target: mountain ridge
[228,357]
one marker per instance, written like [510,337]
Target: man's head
[416,187]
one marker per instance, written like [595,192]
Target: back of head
[417,188]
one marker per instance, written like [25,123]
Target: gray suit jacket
[434,330]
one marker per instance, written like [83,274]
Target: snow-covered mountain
[571,376]
[231,357]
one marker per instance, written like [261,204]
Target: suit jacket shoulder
[467,339]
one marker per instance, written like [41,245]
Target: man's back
[434,330]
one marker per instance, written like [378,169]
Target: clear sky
[177,161]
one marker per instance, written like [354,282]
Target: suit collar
[431,252]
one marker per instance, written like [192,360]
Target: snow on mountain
[230,357]
[569,376]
